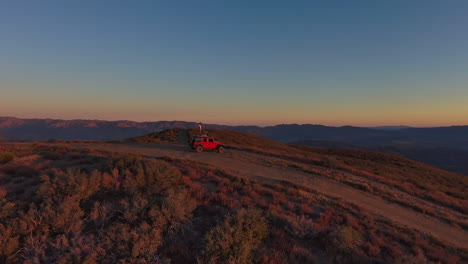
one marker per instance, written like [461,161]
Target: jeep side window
[211,140]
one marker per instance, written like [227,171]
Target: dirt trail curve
[228,161]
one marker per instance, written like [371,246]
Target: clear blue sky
[237,62]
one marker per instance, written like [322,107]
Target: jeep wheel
[199,148]
[220,149]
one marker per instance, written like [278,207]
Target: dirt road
[232,161]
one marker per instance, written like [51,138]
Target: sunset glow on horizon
[363,63]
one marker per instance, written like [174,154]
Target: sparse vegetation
[165,136]
[389,171]
[344,241]
[234,240]
[446,188]
[6,157]
[256,144]
[87,206]
[378,173]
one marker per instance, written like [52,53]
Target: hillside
[44,129]
[410,176]
[158,202]
[231,139]
[386,165]
[250,142]
[413,177]
[385,175]
[452,159]
[444,147]
[165,136]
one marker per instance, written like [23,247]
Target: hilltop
[444,147]
[150,199]
[394,178]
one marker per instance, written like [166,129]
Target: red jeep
[199,143]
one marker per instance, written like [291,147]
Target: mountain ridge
[433,146]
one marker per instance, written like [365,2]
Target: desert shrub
[150,175]
[142,210]
[277,248]
[25,171]
[76,207]
[9,242]
[6,157]
[3,193]
[125,243]
[49,155]
[177,207]
[71,182]
[325,219]
[300,226]
[329,162]
[236,238]
[100,213]
[343,246]
[134,207]
[345,239]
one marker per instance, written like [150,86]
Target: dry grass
[165,136]
[252,143]
[429,183]
[84,206]
[413,178]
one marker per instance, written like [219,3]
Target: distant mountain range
[44,129]
[444,147]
